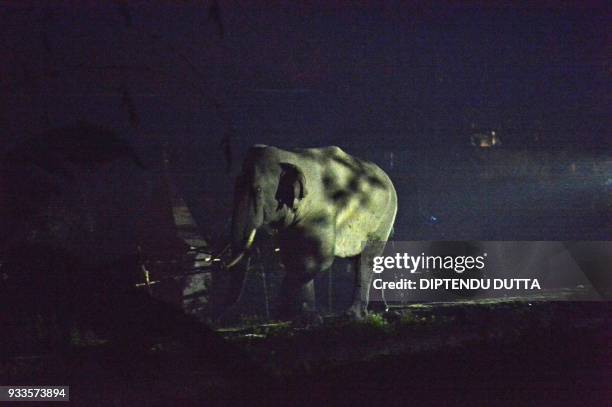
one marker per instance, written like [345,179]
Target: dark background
[403,84]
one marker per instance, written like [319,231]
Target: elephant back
[358,195]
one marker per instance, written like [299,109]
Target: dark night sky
[320,68]
[380,75]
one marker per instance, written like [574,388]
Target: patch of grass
[408,318]
[279,329]
[251,320]
[376,321]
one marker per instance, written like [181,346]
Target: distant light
[485,140]
[277,249]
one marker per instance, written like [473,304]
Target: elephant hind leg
[362,264]
[358,308]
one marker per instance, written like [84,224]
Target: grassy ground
[509,352]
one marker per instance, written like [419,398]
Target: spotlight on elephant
[318,203]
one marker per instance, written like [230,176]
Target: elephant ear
[291,186]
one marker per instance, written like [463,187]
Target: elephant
[318,204]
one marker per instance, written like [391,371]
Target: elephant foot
[307,319]
[356,313]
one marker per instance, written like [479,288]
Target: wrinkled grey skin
[319,203]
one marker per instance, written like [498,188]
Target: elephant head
[267,195]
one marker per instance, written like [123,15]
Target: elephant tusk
[235,260]
[249,243]
[251,238]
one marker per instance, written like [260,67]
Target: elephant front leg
[297,298]
[305,253]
